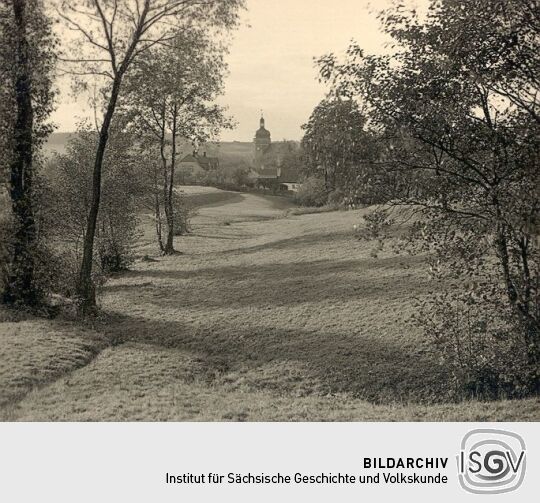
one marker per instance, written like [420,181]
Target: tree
[109,36]
[456,106]
[68,198]
[337,147]
[26,65]
[169,97]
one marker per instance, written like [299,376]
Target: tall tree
[170,99]
[337,146]
[26,65]
[109,36]
[458,104]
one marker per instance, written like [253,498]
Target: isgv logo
[491,461]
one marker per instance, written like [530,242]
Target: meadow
[265,315]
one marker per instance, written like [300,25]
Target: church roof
[284,175]
[262,132]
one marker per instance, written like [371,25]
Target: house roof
[189,158]
[284,175]
[289,175]
[206,161]
[203,161]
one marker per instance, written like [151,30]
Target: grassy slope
[261,318]
[35,351]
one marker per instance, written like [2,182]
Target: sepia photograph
[270,211]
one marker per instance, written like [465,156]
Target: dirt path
[261,317]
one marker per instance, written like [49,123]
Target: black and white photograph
[269,250]
[272,211]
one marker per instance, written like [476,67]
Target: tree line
[152,70]
[443,132]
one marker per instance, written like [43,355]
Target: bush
[481,343]
[115,243]
[184,211]
[312,192]
[64,206]
[336,198]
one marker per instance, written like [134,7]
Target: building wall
[261,145]
[190,170]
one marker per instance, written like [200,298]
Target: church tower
[262,143]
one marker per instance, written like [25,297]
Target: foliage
[42,45]
[109,37]
[478,342]
[168,99]
[240,177]
[454,108]
[26,65]
[312,192]
[338,148]
[184,211]
[67,205]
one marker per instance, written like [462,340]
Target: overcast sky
[271,62]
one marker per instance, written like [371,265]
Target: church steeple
[262,143]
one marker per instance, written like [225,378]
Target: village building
[268,171]
[194,167]
[263,145]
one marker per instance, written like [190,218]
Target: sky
[271,64]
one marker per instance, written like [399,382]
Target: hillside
[232,155]
[224,150]
[262,317]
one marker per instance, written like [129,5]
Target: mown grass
[267,318]
[140,382]
[308,210]
[35,351]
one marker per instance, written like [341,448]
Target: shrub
[64,205]
[481,343]
[336,198]
[312,192]
[184,211]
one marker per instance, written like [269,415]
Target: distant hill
[231,154]
[57,143]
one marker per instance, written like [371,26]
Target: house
[281,179]
[194,167]
[288,179]
[208,163]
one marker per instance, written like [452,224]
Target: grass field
[261,317]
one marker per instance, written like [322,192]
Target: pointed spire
[262,118]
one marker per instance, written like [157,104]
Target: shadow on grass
[259,285]
[213,199]
[365,366]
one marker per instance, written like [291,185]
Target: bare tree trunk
[85,288]
[21,287]
[165,178]
[521,306]
[169,247]
[157,211]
